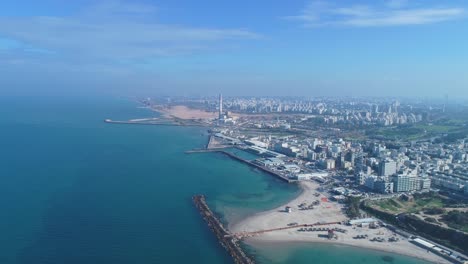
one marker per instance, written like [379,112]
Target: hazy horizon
[273,48]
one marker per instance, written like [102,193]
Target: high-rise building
[401,183]
[396,107]
[387,167]
[406,183]
[358,160]
[369,181]
[375,109]
[383,186]
[360,178]
[340,161]
[350,156]
[221,114]
[424,183]
[330,164]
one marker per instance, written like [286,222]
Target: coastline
[232,225]
[184,112]
[251,223]
[327,212]
[254,242]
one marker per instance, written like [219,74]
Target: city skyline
[310,48]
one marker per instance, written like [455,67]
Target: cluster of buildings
[377,165]
[402,168]
[335,111]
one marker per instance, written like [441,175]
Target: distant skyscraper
[396,107]
[220,106]
[445,103]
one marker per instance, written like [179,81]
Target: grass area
[429,206]
[427,202]
[455,122]
[457,219]
[406,132]
[417,131]
[419,203]
[390,205]
[436,128]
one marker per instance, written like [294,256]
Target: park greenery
[457,220]
[427,201]
[446,130]
[352,207]
[431,207]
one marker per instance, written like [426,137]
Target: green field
[397,205]
[456,219]
[417,131]
[436,128]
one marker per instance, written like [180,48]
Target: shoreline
[402,248]
[253,242]
[328,212]
[231,225]
[184,112]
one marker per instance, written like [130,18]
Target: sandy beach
[184,112]
[326,211]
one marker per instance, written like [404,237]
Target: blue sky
[343,48]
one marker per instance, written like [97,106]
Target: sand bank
[184,112]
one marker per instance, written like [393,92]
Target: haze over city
[242,131]
[310,48]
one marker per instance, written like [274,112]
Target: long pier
[153,123]
[233,156]
[242,235]
[210,142]
[229,242]
[264,169]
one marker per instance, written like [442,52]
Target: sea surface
[76,190]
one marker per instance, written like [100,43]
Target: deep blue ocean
[75,190]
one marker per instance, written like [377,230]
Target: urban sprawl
[402,161]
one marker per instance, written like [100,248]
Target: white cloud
[113,31]
[392,13]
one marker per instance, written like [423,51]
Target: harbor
[299,224]
[214,145]
[252,164]
[262,168]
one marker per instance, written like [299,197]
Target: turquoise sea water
[278,253]
[76,190]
